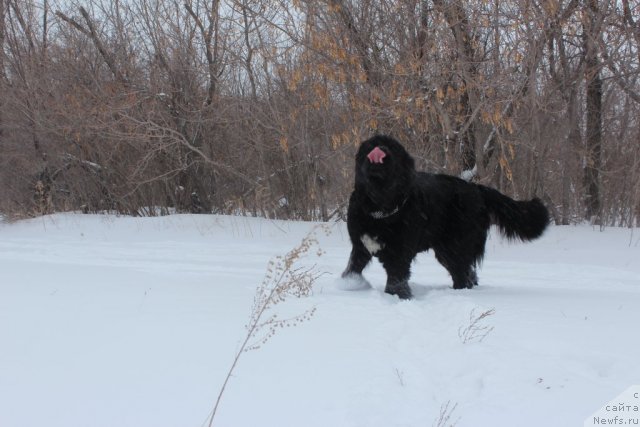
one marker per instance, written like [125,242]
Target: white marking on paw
[371,243]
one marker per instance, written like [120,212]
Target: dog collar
[383,215]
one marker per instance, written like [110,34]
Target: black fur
[404,212]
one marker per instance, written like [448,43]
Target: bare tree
[467,58]
[2,70]
[255,106]
[592,26]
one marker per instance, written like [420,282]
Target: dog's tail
[524,220]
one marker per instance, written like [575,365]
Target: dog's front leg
[358,260]
[352,275]
[398,272]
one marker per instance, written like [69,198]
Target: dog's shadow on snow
[421,291]
[424,291]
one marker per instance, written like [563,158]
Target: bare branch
[91,32]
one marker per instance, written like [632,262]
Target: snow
[353,282]
[116,321]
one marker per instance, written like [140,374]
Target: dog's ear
[408,161]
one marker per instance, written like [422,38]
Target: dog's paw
[353,282]
[402,290]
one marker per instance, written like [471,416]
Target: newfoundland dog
[395,213]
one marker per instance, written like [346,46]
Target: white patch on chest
[371,243]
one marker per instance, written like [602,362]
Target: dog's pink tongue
[376,155]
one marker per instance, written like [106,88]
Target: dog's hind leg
[464,276]
[461,269]
[473,277]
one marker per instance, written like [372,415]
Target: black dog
[396,212]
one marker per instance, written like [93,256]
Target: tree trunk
[457,19]
[593,137]
[2,75]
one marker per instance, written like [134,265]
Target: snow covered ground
[116,322]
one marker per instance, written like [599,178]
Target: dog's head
[384,170]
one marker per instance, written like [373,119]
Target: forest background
[255,107]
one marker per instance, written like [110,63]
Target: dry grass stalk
[283,280]
[475,331]
[446,412]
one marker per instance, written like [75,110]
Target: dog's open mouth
[378,165]
[376,156]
